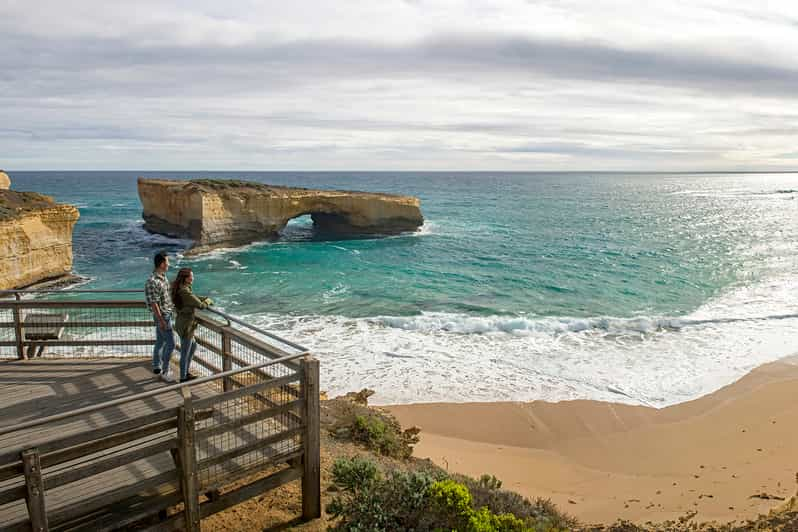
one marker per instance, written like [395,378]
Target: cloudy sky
[399,85]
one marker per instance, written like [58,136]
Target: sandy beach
[728,456]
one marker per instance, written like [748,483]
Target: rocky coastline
[35,238]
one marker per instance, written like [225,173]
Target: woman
[186,304]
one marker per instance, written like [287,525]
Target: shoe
[167,376]
[189,377]
[156,371]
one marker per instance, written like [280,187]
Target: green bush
[490,482]
[371,502]
[449,505]
[541,514]
[483,520]
[381,434]
[354,473]
[428,500]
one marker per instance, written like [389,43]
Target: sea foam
[655,361]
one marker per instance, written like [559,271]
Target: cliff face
[35,238]
[5,181]
[229,213]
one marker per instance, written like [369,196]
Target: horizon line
[655,172]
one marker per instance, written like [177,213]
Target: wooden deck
[71,461]
[35,389]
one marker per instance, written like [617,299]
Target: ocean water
[638,288]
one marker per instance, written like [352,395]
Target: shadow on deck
[103,444]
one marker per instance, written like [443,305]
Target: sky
[516,85]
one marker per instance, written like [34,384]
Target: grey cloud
[337,103]
[123,65]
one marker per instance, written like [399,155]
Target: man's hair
[159,259]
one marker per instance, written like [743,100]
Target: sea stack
[222,213]
[5,181]
[35,238]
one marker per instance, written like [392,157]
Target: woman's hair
[180,280]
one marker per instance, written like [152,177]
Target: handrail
[144,395]
[224,315]
[233,319]
[68,291]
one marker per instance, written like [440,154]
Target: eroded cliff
[5,181]
[35,238]
[216,213]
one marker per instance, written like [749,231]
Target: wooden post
[311,476]
[188,462]
[18,330]
[35,494]
[227,365]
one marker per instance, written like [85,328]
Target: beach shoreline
[728,455]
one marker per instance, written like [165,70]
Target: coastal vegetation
[430,499]
[14,203]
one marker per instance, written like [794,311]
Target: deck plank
[37,388]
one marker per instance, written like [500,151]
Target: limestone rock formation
[5,181]
[215,213]
[35,238]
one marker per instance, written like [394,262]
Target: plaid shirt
[156,290]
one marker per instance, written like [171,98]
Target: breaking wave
[656,361]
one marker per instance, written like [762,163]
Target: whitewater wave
[516,325]
[464,324]
[426,229]
[223,252]
[656,361]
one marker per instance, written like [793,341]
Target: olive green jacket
[186,322]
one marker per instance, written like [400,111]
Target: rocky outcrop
[35,238]
[216,213]
[5,181]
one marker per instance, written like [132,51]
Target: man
[156,290]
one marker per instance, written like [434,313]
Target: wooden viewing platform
[102,443]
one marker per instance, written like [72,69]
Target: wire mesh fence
[259,419]
[208,354]
[246,432]
[47,328]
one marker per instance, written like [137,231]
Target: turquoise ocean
[637,288]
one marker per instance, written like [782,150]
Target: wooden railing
[255,412]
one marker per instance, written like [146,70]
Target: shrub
[350,418]
[384,435]
[354,473]
[541,514]
[484,520]
[490,482]
[449,505]
[371,502]
[430,500]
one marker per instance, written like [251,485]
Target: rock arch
[218,213]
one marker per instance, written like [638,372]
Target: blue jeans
[164,345]
[187,348]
